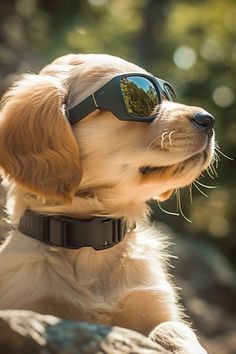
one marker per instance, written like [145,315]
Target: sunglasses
[131,97]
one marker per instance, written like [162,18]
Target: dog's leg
[155,314]
[142,309]
[178,337]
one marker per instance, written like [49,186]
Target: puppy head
[140,160]
[133,160]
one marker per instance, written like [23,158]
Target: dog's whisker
[170,135]
[166,211]
[205,185]
[216,159]
[196,186]
[163,139]
[216,156]
[212,172]
[221,153]
[213,169]
[209,173]
[191,192]
[179,206]
[215,162]
[151,145]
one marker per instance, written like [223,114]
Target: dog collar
[56,230]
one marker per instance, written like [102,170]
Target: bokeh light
[185,57]
[98,2]
[212,50]
[223,96]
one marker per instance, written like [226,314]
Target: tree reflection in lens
[140,96]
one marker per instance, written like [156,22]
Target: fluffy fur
[96,167]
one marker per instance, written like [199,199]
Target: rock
[27,332]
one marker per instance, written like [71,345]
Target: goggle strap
[81,110]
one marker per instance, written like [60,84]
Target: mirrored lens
[140,96]
[170,93]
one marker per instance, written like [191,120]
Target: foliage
[139,102]
[189,43]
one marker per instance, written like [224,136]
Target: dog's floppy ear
[37,146]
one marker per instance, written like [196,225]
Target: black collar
[57,230]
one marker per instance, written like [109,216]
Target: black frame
[110,98]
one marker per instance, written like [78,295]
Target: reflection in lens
[140,96]
[169,92]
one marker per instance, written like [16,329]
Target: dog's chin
[179,174]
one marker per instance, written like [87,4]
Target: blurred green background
[192,44]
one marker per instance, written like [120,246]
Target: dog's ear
[38,149]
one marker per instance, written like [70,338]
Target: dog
[93,176]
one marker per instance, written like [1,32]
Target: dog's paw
[177,337]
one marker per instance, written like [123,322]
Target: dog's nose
[204,119]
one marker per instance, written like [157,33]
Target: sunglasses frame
[110,98]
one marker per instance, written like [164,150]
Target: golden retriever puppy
[84,145]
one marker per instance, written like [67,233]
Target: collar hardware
[57,230]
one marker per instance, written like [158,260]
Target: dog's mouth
[144,170]
[199,159]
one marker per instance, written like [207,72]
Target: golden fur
[93,168]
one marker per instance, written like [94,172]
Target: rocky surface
[26,332]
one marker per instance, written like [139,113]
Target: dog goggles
[132,97]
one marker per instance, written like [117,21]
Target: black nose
[204,119]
